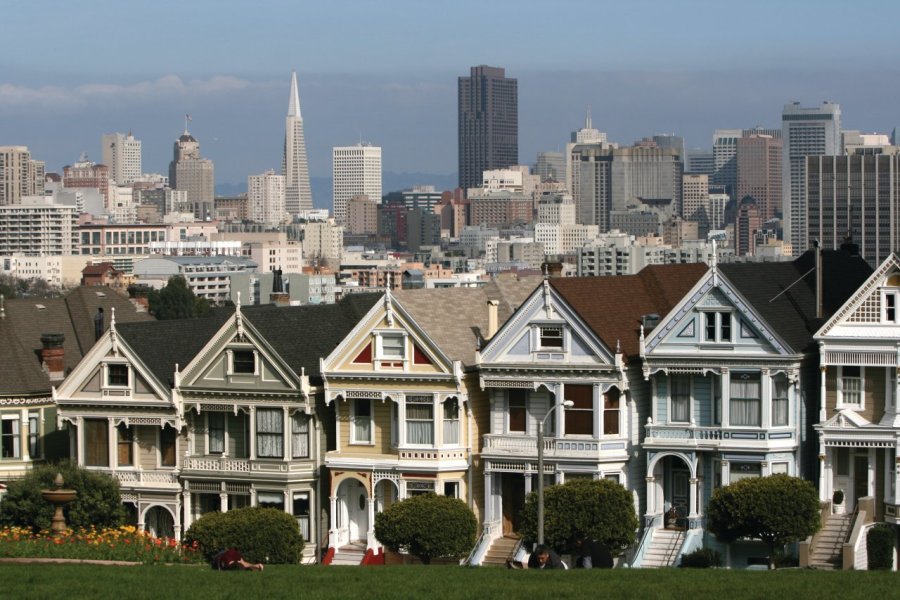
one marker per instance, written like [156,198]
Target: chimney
[279,297]
[492,306]
[53,355]
[818,250]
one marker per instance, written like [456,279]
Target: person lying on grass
[231,560]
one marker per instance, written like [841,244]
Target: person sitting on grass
[232,560]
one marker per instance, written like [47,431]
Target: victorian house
[858,441]
[41,340]
[212,413]
[409,413]
[567,361]
[732,373]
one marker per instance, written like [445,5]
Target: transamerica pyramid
[294,166]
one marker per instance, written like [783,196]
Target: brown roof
[456,319]
[98,269]
[72,315]
[613,306]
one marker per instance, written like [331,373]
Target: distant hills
[390,182]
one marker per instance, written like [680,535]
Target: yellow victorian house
[409,413]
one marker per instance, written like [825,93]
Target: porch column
[726,400]
[186,503]
[872,474]
[651,495]
[223,498]
[826,458]
[726,479]
[560,412]
[528,482]
[25,436]
[488,498]
[823,397]
[894,465]
[370,534]
[252,435]
[332,522]
[765,468]
[693,495]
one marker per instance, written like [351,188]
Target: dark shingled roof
[72,315]
[612,306]
[792,315]
[163,344]
[302,335]
[299,334]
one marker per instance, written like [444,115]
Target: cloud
[70,99]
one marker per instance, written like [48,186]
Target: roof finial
[2,307]
[546,270]
[112,319]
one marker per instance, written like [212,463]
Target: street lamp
[540,444]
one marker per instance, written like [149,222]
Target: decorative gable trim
[857,304]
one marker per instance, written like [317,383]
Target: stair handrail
[862,516]
[808,546]
[673,551]
[467,561]
[519,543]
[642,546]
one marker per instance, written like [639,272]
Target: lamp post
[540,445]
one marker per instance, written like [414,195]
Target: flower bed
[126,543]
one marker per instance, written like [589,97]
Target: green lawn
[157,581]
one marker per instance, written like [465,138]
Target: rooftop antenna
[187,118]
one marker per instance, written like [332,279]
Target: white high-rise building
[20,176]
[266,198]
[805,132]
[356,170]
[122,154]
[294,165]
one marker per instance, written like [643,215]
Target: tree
[599,509]
[428,526]
[777,509]
[97,501]
[176,301]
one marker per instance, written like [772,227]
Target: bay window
[269,433]
[34,447]
[451,421]
[9,437]
[517,416]
[96,442]
[780,400]
[680,399]
[215,424]
[125,446]
[300,436]
[745,399]
[419,420]
[361,421]
[611,412]
[580,416]
[168,443]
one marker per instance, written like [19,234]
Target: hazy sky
[385,71]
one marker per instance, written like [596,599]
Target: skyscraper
[122,154]
[20,176]
[488,109]
[294,165]
[356,170]
[759,173]
[265,198]
[194,175]
[805,132]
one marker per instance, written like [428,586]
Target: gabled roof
[613,305]
[456,319]
[26,319]
[863,292]
[784,294]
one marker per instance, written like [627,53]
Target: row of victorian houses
[682,379]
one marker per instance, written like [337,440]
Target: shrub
[701,558]
[880,547]
[96,504]
[428,526]
[600,509]
[777,509]
[261,534]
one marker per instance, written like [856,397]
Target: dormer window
[717,326]
[551,338]
[243,362]
[117,375]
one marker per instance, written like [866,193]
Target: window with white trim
[96,442]
[125,445]
[117,375]
[9,437]
[215,427]
[417,488]
[717,326]
[851,386]
[890,306]
[451,422]
[744,407]
[269,433]
[550,337]
[361,421]
[391,346]
[420,420]
[780,403]
[451,489]
[34,433]
[243,362]
[680,399]
[300,435]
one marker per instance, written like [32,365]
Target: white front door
[357,511]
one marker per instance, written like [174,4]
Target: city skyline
[59,103]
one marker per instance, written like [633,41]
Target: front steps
[663,549]
[500,551]
[351,554]
[828,553]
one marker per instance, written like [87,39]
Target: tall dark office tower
[488,123]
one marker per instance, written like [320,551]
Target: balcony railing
[244,465]
[521,445]
[139,478]
[693,435]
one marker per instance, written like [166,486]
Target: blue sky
[385,71]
